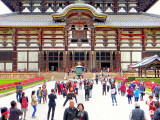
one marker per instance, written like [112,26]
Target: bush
[157,80]
[131,79]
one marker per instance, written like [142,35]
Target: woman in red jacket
[129,95]
[123,89]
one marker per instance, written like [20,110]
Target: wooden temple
[55,35]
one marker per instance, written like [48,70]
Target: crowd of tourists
[70,89]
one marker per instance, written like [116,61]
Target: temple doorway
[105,64]
[53,66]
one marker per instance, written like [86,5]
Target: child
[39,95]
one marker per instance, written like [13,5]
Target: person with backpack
[137,93]
[24,105]
[137,113]
[39,95]
[129,95]
[123,89]
[34,103]
[104,88]
[14,111]
[113,94]
[52,104]
[156,91]
[19,90]
[70,96]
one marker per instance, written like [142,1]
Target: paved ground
[99,107]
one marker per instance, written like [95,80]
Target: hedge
[157,80]
[131,78]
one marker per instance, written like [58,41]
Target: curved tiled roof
[146,61]
[78,6]
[132,20]
[14,19]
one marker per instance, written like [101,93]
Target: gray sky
[154,10]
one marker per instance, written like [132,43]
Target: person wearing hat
[137,93]
[4,113]
[137,113]
[52,104]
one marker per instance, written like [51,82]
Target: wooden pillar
[155,73]
[138,72]
[145,73]
[40,56]
[73,59]
[58,60]
[47,60]
[92,48]
[117,53]
[14,32]
[144,32]
[85,59]
[100,61]
[158,73]
[141,73]
[66,49]
[111,60]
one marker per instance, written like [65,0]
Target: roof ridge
[151,14]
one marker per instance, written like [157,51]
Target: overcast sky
[154,10]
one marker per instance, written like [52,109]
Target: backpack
[24,102]
[80,82]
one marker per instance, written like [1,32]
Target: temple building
[55,35]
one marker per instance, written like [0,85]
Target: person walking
[44,94]
[156,91]
[4,113]
[71,112]
[157,111]
[19,90]
[52,104]
[123,89]
[87,88]
[39,95]
[119,87]
[137,93]
[113,94]
[34,103]
[82,114]
[141,88]
[90,90]
[129,95]
[152,88]
[14,111]
[70,96]
[59,89]
[104,88]
[24,105]
[137,113]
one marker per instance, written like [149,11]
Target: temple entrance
[105,64]
[53,66]
[82,63]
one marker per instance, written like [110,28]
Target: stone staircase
[61,75]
